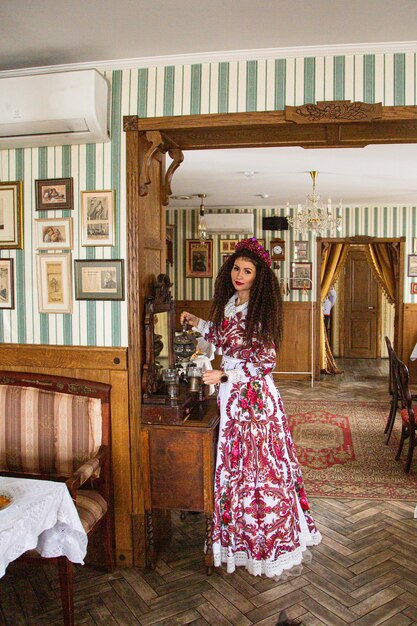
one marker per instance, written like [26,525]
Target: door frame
[399,302]
[148,187]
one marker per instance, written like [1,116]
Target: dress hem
[269,568]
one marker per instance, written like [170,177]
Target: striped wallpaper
[379,220]
[219,87]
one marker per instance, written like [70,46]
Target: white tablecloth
[42,516]
[413,356]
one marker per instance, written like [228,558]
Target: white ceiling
[51,32]
[99,32]
[359,176]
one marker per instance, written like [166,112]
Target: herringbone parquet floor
[363,573]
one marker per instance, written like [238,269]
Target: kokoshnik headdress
[254,246]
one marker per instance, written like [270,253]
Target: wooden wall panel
[295,352]
[410,338]
[108,365]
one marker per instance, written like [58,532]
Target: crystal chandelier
[202,226]
[313,217]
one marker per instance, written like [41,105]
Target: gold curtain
[383,259]
[333,260]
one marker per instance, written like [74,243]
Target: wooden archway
[333,124]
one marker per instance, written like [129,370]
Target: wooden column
[145,193]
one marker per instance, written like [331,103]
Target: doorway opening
[362,315]
[368,274]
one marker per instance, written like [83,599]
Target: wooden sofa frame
[99,464]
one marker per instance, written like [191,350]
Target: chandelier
[313,217]
[202,226]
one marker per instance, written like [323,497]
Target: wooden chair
[393,391]
[77,444]
[407,411]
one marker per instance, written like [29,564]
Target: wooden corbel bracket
[177,157]
[155,143]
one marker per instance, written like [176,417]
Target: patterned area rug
[341,447]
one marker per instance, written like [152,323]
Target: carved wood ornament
[157,144]
[334,112]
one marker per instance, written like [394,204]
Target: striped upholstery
[91,507]
[48,433]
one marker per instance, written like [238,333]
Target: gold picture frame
[227,246]
[199,258]
[54,283]
[11,215]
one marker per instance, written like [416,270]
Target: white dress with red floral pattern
[261,518]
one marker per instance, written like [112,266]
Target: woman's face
[243,275]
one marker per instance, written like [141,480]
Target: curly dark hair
[264,317]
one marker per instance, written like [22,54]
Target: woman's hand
[212,377]
[188,318]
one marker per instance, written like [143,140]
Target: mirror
[159,334]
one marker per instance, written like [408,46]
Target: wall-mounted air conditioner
[54,109]
[231,223]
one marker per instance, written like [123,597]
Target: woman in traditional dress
[261,513]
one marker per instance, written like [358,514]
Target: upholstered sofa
[58,428]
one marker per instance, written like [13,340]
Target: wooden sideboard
[178,469]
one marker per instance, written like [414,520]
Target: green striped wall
[380,221]
[222,87]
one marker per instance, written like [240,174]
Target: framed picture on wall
[301,250]
[412,265]
[54,234]
[227,246]
[54,193]
[99,279]
[6,284]
[11,215]
[415,245]
[54,283]
[199,258]
[301,273]
[224,257]
[413,289]
[97,218]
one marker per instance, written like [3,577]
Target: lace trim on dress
[270,568]
[232,308]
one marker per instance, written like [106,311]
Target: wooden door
[360,308]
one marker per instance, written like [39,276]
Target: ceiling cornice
[227,55]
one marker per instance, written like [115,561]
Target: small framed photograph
[301,250]
[199,258]
[54,233]
[261,242]
[227,246]
[413,289]
[6,284]
[301,273]
[224,257]
[97,218]
[54,283]
[412,265]
[11,215]
[54,193]
[99,280]
[415,245]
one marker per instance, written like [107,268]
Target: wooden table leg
[150,546]
[209,545]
